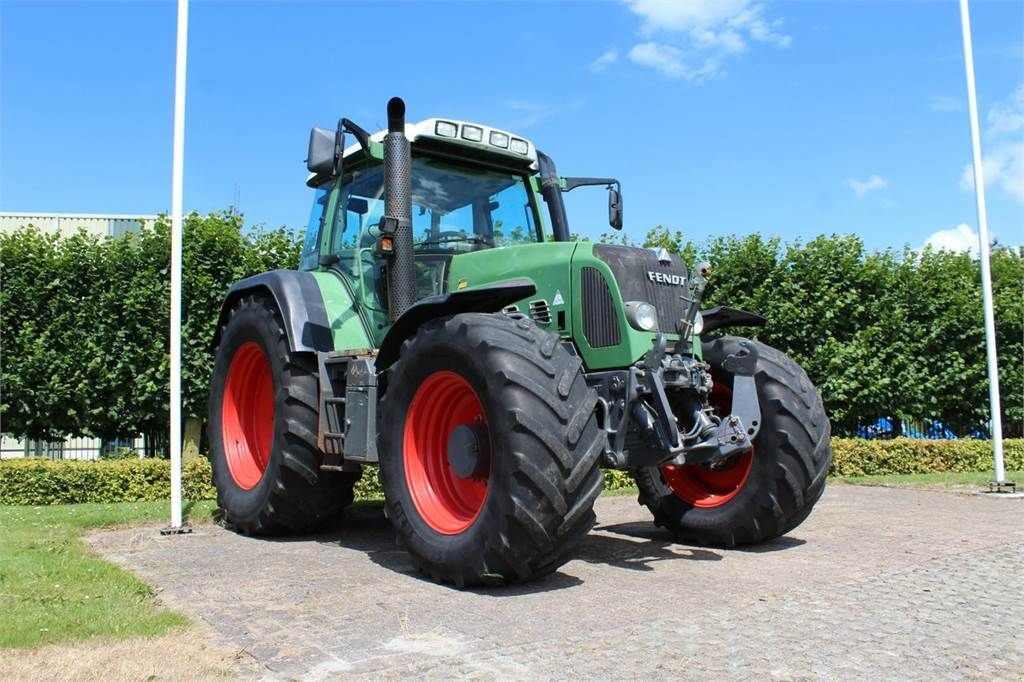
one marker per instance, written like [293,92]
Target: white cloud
[1003,148]
[712,20]
[606,59]
[694,36]
[945,103]
[958,239]
[663,58]
[1003,165]
[1007,116]
[862,187]
[670,62]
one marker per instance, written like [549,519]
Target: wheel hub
[469,450]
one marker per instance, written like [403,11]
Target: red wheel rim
[247,415]
[447,503]
[702,487]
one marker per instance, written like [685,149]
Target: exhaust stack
[401,277]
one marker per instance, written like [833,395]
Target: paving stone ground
[878,583]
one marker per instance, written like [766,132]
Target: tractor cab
[473,188]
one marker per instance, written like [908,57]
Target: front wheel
[764,493]
[490,449]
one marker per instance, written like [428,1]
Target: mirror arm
[360,133]
[573,183]
[339,147]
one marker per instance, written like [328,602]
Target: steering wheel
[445,234]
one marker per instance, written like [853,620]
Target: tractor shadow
[634,546]
[366,529]
[637,546]
[658,544]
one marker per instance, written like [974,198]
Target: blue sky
[792,119]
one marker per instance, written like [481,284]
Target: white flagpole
[983,239]
[177,180]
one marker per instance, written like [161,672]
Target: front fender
[724,316]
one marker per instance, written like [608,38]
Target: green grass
[620,492]
[53,589]
[943,480]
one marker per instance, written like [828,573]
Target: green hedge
[857,457]
[83,322]
[40,481]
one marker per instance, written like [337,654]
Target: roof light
[446,129]
[499,139]
[472,133]
[519,146]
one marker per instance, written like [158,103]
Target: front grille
[631,266]
[600,321]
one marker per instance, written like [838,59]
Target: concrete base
[1000,495]
[183,530]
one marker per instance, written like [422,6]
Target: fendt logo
[666,278]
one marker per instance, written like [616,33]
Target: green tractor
[444,327]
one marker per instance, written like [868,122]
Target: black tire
[292,494]
[545,447]
[792,455]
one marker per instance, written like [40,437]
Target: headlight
[698,323]
[642,316]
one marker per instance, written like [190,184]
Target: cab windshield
[454,209]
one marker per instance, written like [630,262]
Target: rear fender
[299,301]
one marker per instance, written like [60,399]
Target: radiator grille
[632,269]
[600,321]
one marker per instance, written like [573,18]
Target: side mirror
[323,157]
[615,208]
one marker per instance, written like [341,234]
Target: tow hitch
[735,434]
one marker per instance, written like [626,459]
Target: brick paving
[877,584]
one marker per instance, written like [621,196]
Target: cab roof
[475,139]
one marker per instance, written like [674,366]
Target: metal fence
[925,429]
[83,448]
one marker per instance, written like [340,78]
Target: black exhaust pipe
[401,276]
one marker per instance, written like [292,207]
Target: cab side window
[360,206]
[310,256]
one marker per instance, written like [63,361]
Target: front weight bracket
[743,364]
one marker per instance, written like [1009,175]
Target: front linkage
[639,405]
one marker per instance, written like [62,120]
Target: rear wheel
[490,447]
[764,493]
[264,413]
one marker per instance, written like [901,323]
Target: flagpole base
[1002,487]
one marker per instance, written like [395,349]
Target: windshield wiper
[472,239]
